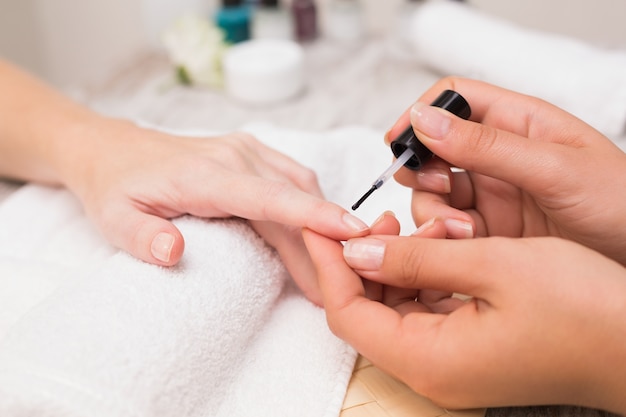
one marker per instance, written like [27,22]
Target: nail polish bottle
[305,20]
[234,19]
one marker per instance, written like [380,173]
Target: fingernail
[161,247]
[364,254]
[382,217]
[354,223]
[434,179]
[424,227]
[459,229]
[429,120]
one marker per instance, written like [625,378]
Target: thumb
[147,237]
[486,150]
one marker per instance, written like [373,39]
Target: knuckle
[308,178]
[406,263]
[333,324]
[246,139]
[479,140]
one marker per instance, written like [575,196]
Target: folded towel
[587,81]
[224,333]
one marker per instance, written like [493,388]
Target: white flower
[195,47]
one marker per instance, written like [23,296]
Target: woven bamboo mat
[373,393]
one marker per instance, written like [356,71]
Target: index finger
[491,105]
[257,198]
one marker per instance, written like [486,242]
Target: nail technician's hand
[544,325]
[531,169]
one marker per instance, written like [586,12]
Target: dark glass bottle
[234,19]
[304,19]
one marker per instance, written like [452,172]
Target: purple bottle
[304,19]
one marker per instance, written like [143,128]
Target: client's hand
[545,324]
[531,169]
[133,180]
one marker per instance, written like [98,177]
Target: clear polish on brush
[382,179]
[412,153]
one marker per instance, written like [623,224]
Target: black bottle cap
[231,3]
[448,100]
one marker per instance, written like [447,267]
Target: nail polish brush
[407,148]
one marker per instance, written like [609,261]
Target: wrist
[85,144]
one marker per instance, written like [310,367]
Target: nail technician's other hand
[544,325]
[131,180]
[531,169]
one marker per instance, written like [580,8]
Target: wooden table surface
[367,84]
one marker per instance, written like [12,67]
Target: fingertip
[354,225]
[460,228]
[386,224]
[432,228]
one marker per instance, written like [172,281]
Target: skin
[133,181]
[531,169]
[541,195]
[539,328]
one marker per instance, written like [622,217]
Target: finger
[509,155]
[303,177]
[440,302]
[344,296]
[448,83]
[386,224]
[409,262]
[493,152]
[289,244]
[145,236]
[434,176]
[458,224]
[258,198]
[403,300]
[367,325]
[434,228]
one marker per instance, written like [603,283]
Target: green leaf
[182,76]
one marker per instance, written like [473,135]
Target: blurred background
[75,42]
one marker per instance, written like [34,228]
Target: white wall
[73,42]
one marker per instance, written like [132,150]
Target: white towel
[225,333]
[587,81]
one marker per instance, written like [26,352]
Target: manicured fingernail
[382,217]
[161,247]
[424,227]
[354,223]
[434,179]
[459,229]
[431,121]
[365,254]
